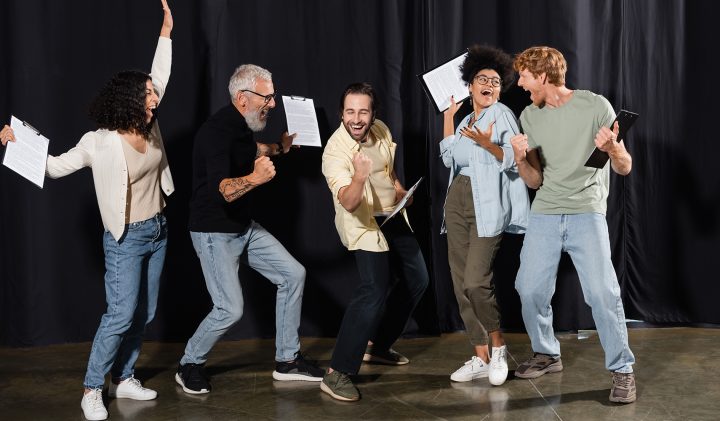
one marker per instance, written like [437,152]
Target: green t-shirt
[565,138]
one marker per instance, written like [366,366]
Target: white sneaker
[92,405]
[474,368]
[131,388]
[498,366]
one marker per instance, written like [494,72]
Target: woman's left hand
[453,108]
[480,137]
[167,24]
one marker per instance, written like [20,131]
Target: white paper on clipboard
[301,119]
[27,156]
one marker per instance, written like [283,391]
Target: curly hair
[120,104]
[481,57]
[539,60]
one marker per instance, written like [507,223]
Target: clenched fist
[264,170]
[362,165]
[520,147]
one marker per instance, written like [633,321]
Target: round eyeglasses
[484,80]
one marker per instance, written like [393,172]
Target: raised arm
[167,24]
[449,117]
[234,188]
[620,159]
[351,195]
[162,62]
[527,161]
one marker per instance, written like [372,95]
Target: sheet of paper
[401,204]
[27,156]
[301,119]
[446,80]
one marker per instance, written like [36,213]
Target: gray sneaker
[623,388]
[388,356]
[339,386]
[538,365]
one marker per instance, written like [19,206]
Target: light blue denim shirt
[499,194]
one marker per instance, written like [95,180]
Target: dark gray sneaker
[623,388]
[538,365]
[340,387]
[388,356]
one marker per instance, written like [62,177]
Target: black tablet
[625,120]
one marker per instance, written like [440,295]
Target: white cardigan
[102,151]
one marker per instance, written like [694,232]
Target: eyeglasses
[483,80]
[267,98]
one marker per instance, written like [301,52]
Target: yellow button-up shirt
[358,230]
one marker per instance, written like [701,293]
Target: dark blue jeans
[380,305]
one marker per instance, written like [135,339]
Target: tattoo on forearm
[233,188]
[266,150]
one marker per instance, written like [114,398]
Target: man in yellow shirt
[358,163]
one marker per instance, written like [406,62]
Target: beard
[256,120]
[360,136]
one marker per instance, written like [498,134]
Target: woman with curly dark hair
[128,162]
[485,198]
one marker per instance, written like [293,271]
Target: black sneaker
[193,379]
[300,369]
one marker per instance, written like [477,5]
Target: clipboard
[444,80]
[302,119]
[625,119]
[27,156]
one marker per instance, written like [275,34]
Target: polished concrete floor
[678,374]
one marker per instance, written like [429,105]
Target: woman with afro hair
[130,173]
[485,198]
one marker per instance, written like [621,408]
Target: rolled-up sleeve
[336,170]
[506,127]
[446,147]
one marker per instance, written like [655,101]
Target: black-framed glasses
[267,98]
[484,80]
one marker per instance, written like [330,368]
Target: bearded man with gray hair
[227,165]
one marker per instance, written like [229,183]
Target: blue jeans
[585,238]
[380,307]
[220,255]
[133,267]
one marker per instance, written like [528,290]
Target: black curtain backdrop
[653,57]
